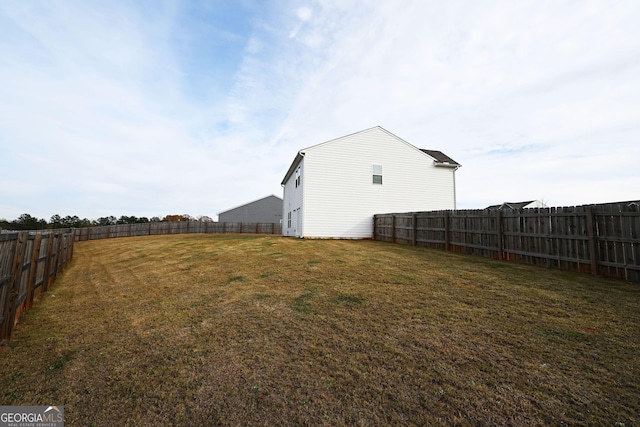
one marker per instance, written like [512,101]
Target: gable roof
[440,158]
[250,203]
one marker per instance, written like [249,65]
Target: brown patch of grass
[253,330]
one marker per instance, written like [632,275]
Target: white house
[333,189]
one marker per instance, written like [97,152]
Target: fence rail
[29,263]
[599,239]
[182,227]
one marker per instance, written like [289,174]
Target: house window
[377,174]
[289,220]
[298,177]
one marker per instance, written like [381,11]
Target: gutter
[446,165]
[296,160]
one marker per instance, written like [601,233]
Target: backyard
[265,330]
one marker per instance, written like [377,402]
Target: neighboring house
[519,205]
[333,189]
[266,210]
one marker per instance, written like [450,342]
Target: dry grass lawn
[262,330]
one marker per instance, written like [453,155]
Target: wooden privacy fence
[600,239]
[182,227]
[29,263]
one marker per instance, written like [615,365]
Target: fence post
[414,221]
[393,228]
[35,253]
[58,266]
[447,233]
[375,231]
[500,234]
[47,263]
[592,241]
[70,250]
[14,285]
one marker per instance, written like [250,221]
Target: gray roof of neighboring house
[267,210]
[252,202]
[511,205]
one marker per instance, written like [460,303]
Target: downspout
[455,197]
[455,168]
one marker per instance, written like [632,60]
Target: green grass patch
[301,303]
[349,300]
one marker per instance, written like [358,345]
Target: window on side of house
[289,220]
[298,178]
[377,174]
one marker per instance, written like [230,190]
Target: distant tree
[55,221]
[106,220]
[155,219]
[28,222]
[123,220]
[203,218]
[71,221]
[4,223]
[172,218]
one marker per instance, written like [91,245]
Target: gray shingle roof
[440,157]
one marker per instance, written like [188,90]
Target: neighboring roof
[517,205]
[441,159]
[246,204]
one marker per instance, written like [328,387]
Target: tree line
[28,222]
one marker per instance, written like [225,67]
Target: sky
[151,108]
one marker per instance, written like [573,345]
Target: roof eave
[447,165]
[292,168]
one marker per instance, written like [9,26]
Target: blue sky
[150,108]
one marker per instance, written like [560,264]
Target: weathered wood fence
[29,263]
[600,239]
[182,227]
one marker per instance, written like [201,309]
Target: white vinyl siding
[292,202]
[340,200]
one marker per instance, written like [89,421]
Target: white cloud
[477,80]
[127,110]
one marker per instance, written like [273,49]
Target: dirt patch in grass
[253,330]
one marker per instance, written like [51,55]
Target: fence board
[600,239]
[29,261]
[182,227]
